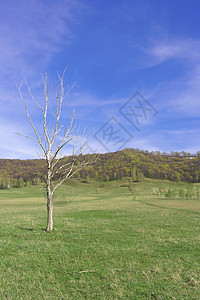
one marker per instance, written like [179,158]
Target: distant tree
[140,175]
[27,183]
[134,173]
[174,193]
[157,152]
[8,183]
[2,183]
[188,194]
[182,193]
[168,194]
[172,153]
[20,182]
[97,189]
[115,175]
[14,182]
[131,186]
[96,175]
[88,179]
[107,178]
[52,141]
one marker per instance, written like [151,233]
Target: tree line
[7,183]
[181,193]
[109,166]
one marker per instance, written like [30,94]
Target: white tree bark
[48,144]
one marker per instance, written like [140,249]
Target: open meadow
[106,243]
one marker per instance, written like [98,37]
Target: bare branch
[45,112]
[48,142]
[59,148]
[30,93]
[26,136]
[73,169]
[42,176]
[33,127]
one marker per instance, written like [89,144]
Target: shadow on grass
[23,228]
[30,229]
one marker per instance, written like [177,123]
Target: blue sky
[136,65]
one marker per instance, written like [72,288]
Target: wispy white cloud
[179,49]
[179,96]
[32,31]
[14,146]
[177,140]
[178,132]
[86,98]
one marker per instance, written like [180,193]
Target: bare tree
[52,142]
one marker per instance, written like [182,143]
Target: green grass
[104,246]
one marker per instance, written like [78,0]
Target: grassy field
[106,244]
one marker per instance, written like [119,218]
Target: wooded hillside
[176,166]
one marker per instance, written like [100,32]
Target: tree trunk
[49,208]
